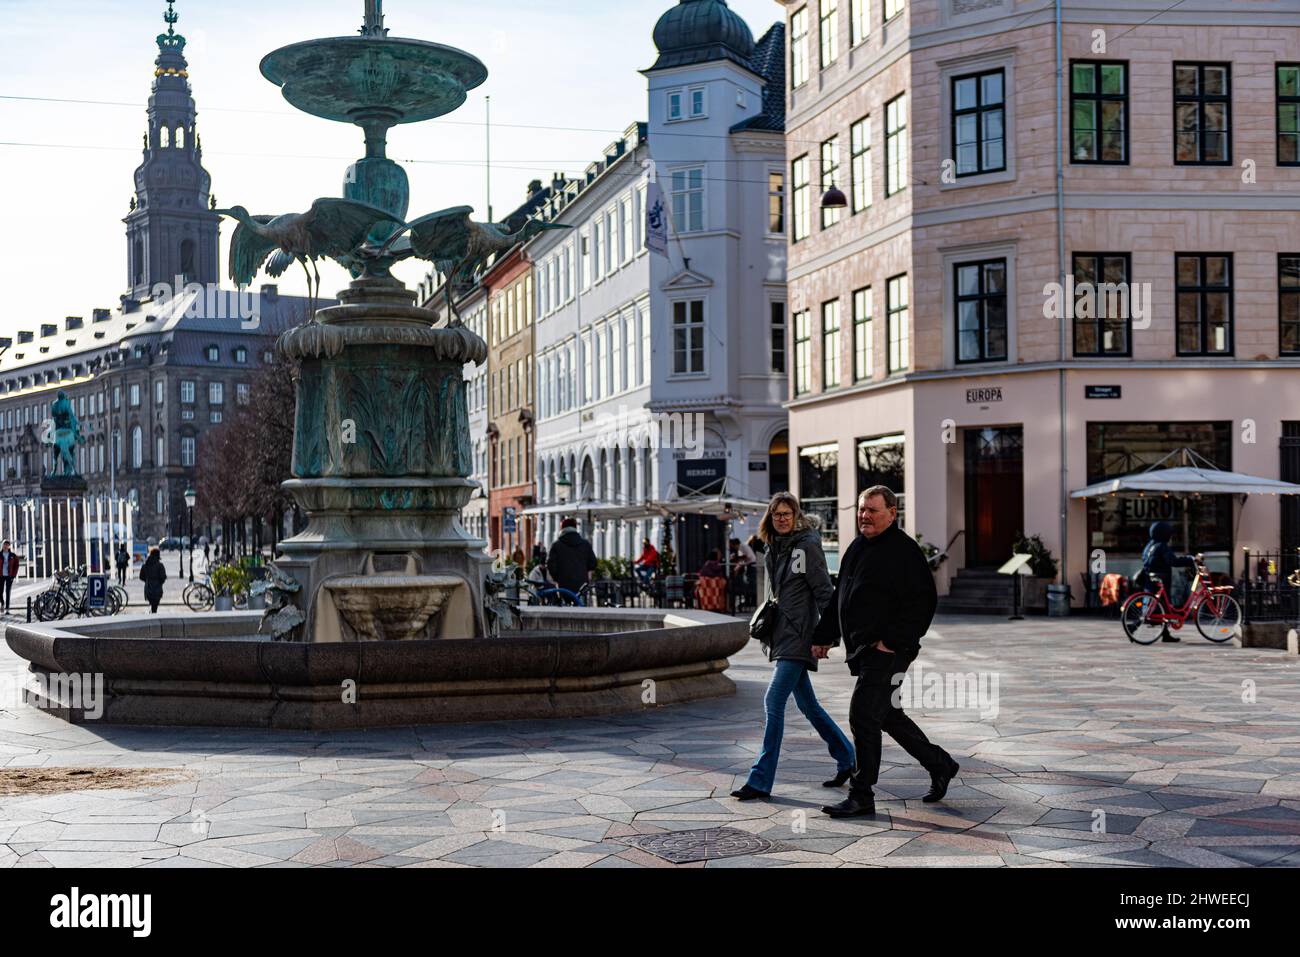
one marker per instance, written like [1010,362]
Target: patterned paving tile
[1156,738]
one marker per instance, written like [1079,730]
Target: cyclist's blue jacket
[1158,558]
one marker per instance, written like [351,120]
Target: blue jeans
[791,677]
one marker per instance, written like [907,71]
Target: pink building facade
[1036,286]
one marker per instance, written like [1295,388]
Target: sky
[562,78]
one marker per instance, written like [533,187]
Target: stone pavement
[1188,754]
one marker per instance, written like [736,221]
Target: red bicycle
[1218,615]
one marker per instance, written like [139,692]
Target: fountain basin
[214,670]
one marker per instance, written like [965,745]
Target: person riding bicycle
[1159,559]
[647,565]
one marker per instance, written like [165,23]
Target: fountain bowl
[380,80]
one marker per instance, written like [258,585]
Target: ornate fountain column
[381,457]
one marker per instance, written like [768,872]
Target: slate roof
[768,61]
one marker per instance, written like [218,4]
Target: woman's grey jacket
[797,575]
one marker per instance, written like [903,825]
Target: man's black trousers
[872,711]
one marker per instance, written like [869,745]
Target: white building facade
[659,375]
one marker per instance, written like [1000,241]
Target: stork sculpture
[332,228]
[458,247]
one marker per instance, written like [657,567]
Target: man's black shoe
[1169,637]
[852,807]
[747,793]
[839,779]
[939,782]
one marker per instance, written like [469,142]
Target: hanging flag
[656,220]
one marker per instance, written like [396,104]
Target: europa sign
[980,396]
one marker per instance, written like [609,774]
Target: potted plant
[227,582]
[1043,569]
[933,556]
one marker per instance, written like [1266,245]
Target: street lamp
[190,499]
[834,198]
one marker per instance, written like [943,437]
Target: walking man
[123,563]
[882,607]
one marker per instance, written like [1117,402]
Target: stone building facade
[941,341]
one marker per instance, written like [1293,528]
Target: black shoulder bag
[763,623]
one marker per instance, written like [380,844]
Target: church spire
[171,231]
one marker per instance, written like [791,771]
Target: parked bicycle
[1218,616]
[70,596]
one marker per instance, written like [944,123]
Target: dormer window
[214,354]
[241,355]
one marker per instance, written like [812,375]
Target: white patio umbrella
[1196,476]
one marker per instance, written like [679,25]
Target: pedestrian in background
[153,575]
[8,572]
[123,563]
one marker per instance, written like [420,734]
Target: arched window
[164,137]
[137,261]
[137,447]
[159,451]
[180,137]
[187,258]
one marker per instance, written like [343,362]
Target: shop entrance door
[995,494]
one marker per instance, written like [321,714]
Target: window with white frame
[597,240]
[159,387]
[688,337]
[159,504]
[241,355]
[775,201]
[187,451]
[799,48]
[611,241]
[617,355]
[216,394]
[133,393]
[137,447]
[159,451]
[777,326]
[698,102]
[893,8]
[242,393]
[688,199]
[675,102]
[187,392]
[625,229]
[214,354]
[638,219]
[584,261]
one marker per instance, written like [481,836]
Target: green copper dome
[697,31]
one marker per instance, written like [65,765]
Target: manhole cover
[703,844]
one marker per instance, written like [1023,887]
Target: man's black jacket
[885,593]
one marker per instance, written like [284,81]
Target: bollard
[29,609]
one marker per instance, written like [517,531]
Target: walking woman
[797,577]
[153,575]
